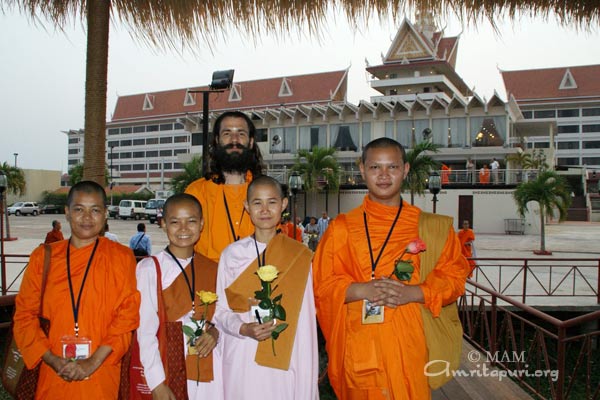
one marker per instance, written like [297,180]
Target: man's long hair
[215,171]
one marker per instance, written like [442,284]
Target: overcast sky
[42,72]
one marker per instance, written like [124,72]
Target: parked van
[135,209]
[152,207]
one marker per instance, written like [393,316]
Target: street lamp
[111,175]
[16,155]
[295,184]
[221,81]
[435,185]
[3,186]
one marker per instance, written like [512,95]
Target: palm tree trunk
[94,148]
[542,230]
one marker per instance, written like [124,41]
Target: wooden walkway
[478,387]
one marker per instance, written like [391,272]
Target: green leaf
[275,335]
[188,331]
[403,276]
[277,298]
[280,328]
[265,304]
[279,312]
[260,295]
[266,319]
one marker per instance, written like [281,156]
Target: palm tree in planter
[316,166]
[16,185]
[551,192]
[421,164]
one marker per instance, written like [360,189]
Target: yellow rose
[207,297]
[267,273]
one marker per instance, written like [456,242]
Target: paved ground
[569,240]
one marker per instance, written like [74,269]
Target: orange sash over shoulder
[292,259]
[177,304]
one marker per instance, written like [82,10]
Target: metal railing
[13,264]
[525,278]
[553,359]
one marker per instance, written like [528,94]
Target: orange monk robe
[445,174]
[217,234]
[466,236]
[109,312]
[368,361]
[288,229]
[54,236]
[484,175]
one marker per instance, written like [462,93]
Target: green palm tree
[76,175]
[16,185]
[316,166]
[421,164]
[551,192]
[191,172]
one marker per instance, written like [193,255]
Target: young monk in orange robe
[353,263]
[107,312]
[467,237]
[237,160]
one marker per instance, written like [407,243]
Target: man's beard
[234,161]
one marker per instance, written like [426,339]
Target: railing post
[560,363]
[525,271]
[494,317]
[598,280]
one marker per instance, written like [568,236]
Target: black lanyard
[375,262]
[260,262]
[235,237]
[87,269]
[192,287]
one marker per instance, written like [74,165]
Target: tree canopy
[15,178]
[191,172]
[421,164]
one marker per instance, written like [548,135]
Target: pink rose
[416,246]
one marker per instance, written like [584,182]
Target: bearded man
[235,160]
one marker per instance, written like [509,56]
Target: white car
[24,208]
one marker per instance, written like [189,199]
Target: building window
[139,142]
[197,139]
[138,154]
[152,140]
[389,130]
[125,142]
[527,114]
[126,130]
[177,165]
[113,156]
[262,135]
[570,113]
[153,166]
[311,136]
[344,137]
[365,134]
[178,126]
[153,153]
[591,160]
[73,140]
[544,114]
[283,140]
[542,145]
[166,127]
[180,151]
[166,153]
[590,112]
[567,160]
[139,167]
[568,129]
[125,167]
[73,151]
[73,162]
[591,144]
[166,139]
[181,139]
[167,165]
[567,145]
[590,128]
[125,155]
[113,131]
[113,143]
[152,128]
[139,129]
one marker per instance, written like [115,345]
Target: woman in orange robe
[484,175]
[384,360]
[108,310]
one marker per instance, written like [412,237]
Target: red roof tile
[306,89]
[538,84]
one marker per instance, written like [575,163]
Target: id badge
[257,314]
[372,314]
[76,348]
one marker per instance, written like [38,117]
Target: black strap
[375,262]
[235,237]
[138,242]
[264,254]
[87,269]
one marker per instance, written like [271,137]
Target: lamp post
[3,186]
[295,184]
[435,185]
[111,175]
[221,81]
[16,155]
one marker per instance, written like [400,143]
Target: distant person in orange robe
[108,311]
[484,175]
[55,235]
[235,160]
[446,170]
[383,360]
[467,237]
[289,229]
